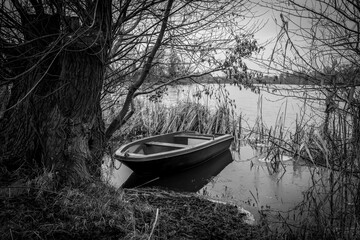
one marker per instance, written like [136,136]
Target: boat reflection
[190,180]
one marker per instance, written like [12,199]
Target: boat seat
[166,144]
[194,137]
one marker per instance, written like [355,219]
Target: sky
[267,34]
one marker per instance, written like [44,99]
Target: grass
[98,211]
[67,214]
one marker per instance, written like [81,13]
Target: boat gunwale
[135,157]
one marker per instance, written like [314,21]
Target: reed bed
[330,208]
[154,118]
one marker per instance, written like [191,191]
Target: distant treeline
[283,78]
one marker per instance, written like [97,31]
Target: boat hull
[173,160]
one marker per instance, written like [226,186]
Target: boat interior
[167,143]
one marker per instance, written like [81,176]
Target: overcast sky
[267,34]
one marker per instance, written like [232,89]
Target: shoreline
[99,211]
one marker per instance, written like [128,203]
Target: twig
[152,180]
[153,227]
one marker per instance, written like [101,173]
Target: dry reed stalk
[154,225]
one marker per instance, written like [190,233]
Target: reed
[331,206]
[156,118]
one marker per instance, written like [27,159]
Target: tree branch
[117,122]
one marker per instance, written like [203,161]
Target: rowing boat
[172,152]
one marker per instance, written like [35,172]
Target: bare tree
[317,35]
[59,59]
[198,32]
[319,42]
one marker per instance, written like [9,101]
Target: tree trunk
[74,118]
[20,136]
[54,118]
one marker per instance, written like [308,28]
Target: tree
[54,64]
[198,32]
[316,37]
[320,40]
[61,59]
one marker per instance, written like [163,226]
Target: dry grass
[98,211]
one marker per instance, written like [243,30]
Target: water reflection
[190,180]
[239,178]
[248,181]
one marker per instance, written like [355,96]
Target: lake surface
[287,101]
[240,177]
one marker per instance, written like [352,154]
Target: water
[240,177]
[277,101]
[235,178]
